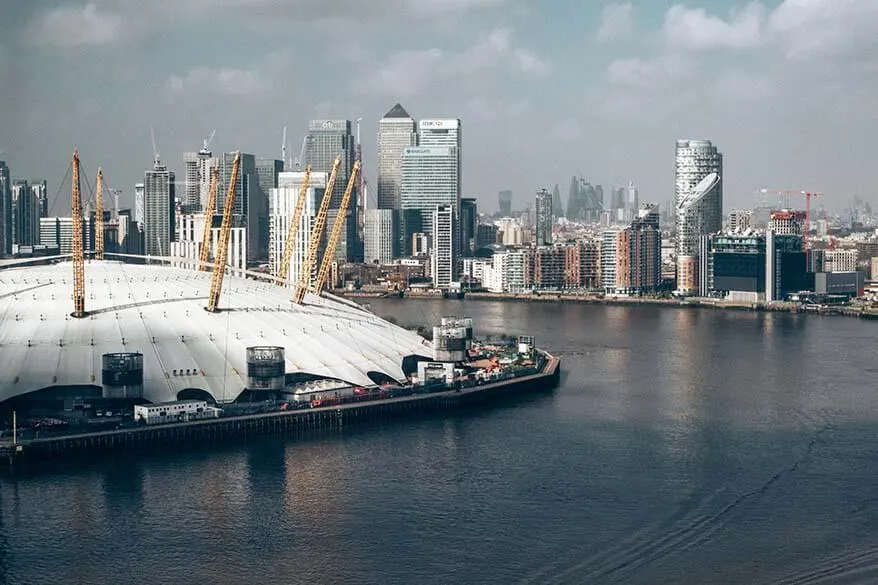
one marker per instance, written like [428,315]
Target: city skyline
[595,90]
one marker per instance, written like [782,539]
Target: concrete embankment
[297,423]
[689,303]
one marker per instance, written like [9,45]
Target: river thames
[682,446]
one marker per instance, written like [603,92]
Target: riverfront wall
[296,423]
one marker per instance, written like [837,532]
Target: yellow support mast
[208,220]
[316,235]
[222,247]
[99,216]
[78,253]
[335,235]
[293,232]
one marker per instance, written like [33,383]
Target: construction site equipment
[293,232]
[99,216]
[806,235]
[335,235]
[316,236]
[78,252]
[222,247]
[208,220]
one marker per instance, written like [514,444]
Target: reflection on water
[682,446]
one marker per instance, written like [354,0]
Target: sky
[545,89]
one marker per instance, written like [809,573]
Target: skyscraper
[469,222]
[698,200]
[158,210]
[545,218]
[557,206]
[396,132]
[444,252]
[282,206]
[138,202]
[40,191]
[444,133]
[380,231]
[251,204]
[429,179]
[505,199]
[197,167]
[26,214]
[326,140]
[5,210]
[267,172]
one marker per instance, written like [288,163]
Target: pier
[293,423]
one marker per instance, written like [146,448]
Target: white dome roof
[159,311]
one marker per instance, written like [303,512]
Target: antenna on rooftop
[155,151]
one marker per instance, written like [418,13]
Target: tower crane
[78,255]
[208,220]
[293,232]
[99,216]
[316,235]
[806,236]
[222,248]
[301,157]
[335,235]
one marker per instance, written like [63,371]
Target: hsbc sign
[439,124]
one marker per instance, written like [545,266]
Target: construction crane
[78,254]
[335,235]
[222,247]
[99,216]
[806,241]
[316,235]
[293,232]
[208,220]
[301,157]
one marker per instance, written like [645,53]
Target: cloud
[808,28]
[433,7]
[497,49]
[485,108]
[404,74]
[567,131]
[661,70]
[695,29]
[76,26]
[617,22]
[226,80]
[409,73]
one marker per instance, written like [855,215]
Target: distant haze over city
[545,90]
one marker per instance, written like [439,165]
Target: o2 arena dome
[146,335]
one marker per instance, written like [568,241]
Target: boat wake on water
[692,525]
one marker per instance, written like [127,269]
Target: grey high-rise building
[25,215]
[197,168]
[397,131]
[5,210]
[429,179]
[505,198]
[159,190]
[250,210]
[267,172]
[557,206]
[444,249]
[138,203]
[469,225]
[698,201]
[328,139]
[40,190]
[544,219]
